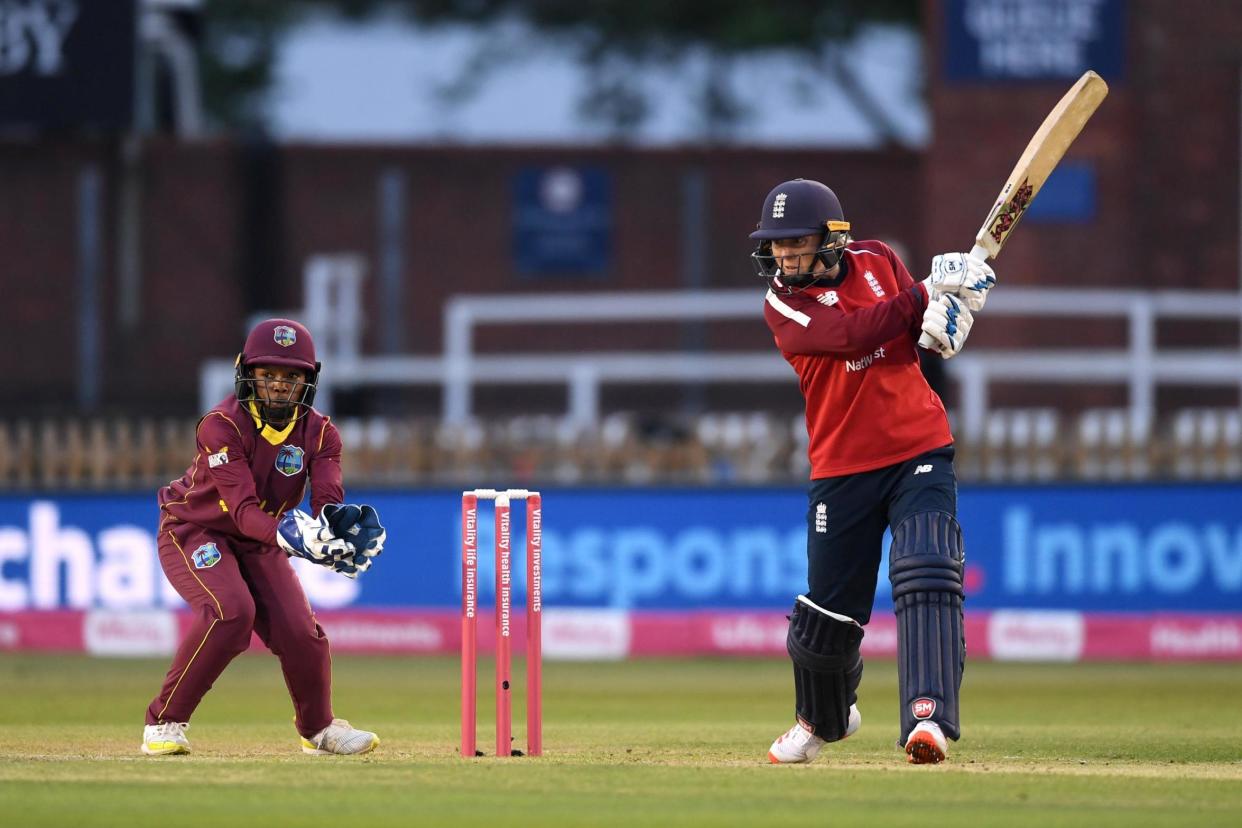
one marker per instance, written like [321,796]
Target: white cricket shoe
[798,744]
[926,745]
[342,739]
[165,739]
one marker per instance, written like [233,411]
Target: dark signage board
[1069,195]
[67,63]
[562,221]
[1033,40]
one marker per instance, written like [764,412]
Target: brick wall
[214,250]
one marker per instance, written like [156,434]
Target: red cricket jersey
[246,475]
[853,344]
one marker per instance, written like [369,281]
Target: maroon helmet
[277,342]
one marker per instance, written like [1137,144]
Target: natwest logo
[923,708]
[863,363]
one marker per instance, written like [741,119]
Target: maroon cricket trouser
[235,587]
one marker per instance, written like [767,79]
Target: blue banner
[1033,40]
[1106,548]
[1069,195]
[562,221]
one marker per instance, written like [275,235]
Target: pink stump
[504,614]
[469,620]
[534,625]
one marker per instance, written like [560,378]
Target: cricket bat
[1037,162]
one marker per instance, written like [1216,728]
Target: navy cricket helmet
[277,342]
[792,210]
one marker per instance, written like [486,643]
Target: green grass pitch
[649,742]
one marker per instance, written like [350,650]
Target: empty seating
[1111,444]
[625,448]
[1019,444]
[1205,443]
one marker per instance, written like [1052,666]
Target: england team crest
[284,336]
[206,556]
[289,460]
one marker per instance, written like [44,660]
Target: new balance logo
[828,297]
[778,206]
[923,469]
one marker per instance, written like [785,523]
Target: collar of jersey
[266,431]
[820,285]
[835,282]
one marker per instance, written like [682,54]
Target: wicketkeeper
[847,316]
[229,526]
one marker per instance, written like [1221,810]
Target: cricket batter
[847,316]
[228,527]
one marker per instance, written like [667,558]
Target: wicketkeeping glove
[301,535]
[351,566]
[341,517]
[360,525]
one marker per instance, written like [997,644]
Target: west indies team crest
[289,460]
[285,336]
[206,556]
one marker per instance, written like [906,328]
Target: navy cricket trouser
[847,517]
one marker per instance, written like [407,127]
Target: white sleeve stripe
[786,311]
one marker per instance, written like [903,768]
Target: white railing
[585,372]
[1140,366]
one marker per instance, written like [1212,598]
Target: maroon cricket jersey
[853,346]
[246,475]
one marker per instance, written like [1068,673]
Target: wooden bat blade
[1040,158]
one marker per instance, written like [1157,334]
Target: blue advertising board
[1106,548]
[562,221]
[68,65]
[1033,40]
[1069,195]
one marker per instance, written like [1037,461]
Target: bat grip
[979,252]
